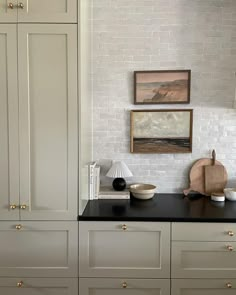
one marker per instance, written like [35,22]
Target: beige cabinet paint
[8,11]
[105,286]
[38,11]
[38,249]
[132,249]
[203,287]
[47,56]
[9,160]
[38,286]
[203,260]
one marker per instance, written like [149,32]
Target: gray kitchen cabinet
[9,161]
[38,249]
[47,144]
[53,11]
[203,287]
[108,286]
[203,259]
[129,249]
[38,286]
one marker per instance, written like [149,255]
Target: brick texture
[131,35]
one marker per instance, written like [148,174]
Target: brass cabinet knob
[229,285]
[230,248]
[18,226]
[124,285]
[20,284]
[13,206]
[23,207]
[230,233]
[10,5]
[21,5]
[124,227]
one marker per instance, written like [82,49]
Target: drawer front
[204,231]
[39,249]
[133,249]
[62,11]
[124,286]
[203,260]
[203,287]
[44,286]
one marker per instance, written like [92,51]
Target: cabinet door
[203,287]
[48,121]
[44,286]
[39,249]
[124,287]
[8,11]
[48,11]
[9,159]
[134,249]
[203,260]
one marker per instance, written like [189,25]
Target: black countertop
[162,207]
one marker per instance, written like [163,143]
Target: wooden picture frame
[161,131]
[162,87]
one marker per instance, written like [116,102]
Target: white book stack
[109,193]
[94,180]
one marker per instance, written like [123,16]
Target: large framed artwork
[162,87]
[161,131]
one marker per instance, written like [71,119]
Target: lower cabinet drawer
[39,249]
[131,249]
[203,287]
[88,286]
[43,286]
[203,260]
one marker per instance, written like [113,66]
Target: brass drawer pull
[23,207]
[229,285]
[20,284]
[230,233]
[18,226]
[124,227]
[230,248]
[21,5]
[124,285]
[10,5]
[13,206]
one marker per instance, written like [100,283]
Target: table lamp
[118,171]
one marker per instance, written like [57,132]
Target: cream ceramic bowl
[230,194]
[142,191]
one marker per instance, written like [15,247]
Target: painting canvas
[161,131]
[162,87]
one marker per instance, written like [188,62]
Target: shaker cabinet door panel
[8,11]
[203,287]
[48,121]
[122,286]
[47,11]
[133,249]
[38,249]
[203,260]
[35,286]
[9,158]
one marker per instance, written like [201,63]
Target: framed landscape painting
[161,131]
[162,87]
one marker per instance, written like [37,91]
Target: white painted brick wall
[131,35]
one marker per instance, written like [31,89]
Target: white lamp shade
[119,170]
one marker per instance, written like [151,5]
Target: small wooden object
[214,177]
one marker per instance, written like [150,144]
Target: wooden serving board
[197,176]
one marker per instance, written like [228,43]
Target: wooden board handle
[214,157]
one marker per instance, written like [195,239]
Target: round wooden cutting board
[197,176]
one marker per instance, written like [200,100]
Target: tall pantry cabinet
[38,147]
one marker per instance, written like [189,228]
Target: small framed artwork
[161,131]
[162,87]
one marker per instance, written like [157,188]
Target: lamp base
[119,184]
